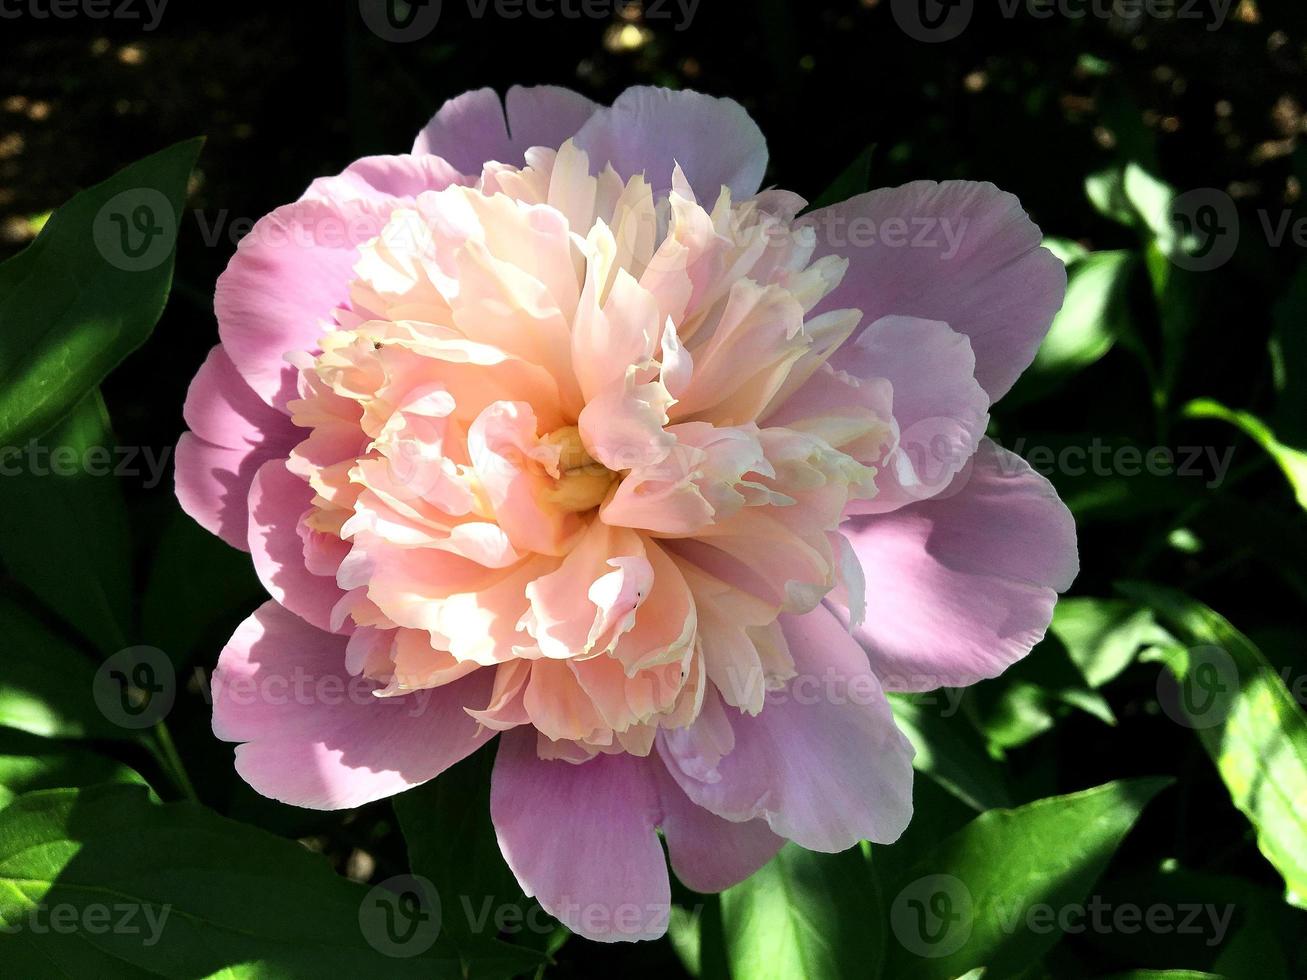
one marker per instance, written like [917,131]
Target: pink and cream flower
[558,429]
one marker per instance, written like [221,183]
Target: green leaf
[1151,199]
[1094,314]
[1165,975]
[1248,722]
[979,897]
[1028,698]
[804,915]
[1106,192]
[71,547]
[1289,360]
[195,582]
[695,934]
[1292,462]
[1067,249]
[451,842]
[1102,636]
[88,291]
[948,754]
[46,683]
[29,763]
[206,896]
[855,179]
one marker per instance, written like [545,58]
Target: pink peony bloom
[558,428]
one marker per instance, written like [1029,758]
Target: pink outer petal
[650,130]
[939,407]
[316,737]
[472,130]
[580,838]
[283,285]
[403,176]
[962,586]
[278,499]
[232,434]
[822,762]
[961,252]
[707,853]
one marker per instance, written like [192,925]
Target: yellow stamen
[582,483]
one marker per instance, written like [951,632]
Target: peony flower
[558,429]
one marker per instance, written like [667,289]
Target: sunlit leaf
[67,537]
[46,682]
[1292,462]
[1248,722]
[804,915]
[1102,636]
[208,896]
[28,763]
[88,291]
[978,898]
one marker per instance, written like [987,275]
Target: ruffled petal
[962,586]
[278,500]
[580,838]
[823,763]
[961,252]
[283,286]
[472,129]
[232,434]
[316,737]
[939,409]
[652,130]
[707,853]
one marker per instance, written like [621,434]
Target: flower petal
[823,762]
[281,289]
[961,586]
[707,853]
[278,499]
[472,130]
[232,434]
[939,408]
[580,838]
[651,130]
[961,252]
[316,737]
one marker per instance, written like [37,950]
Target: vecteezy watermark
[933,916]
[122,462]
[1104,459]
[149,10]
[136,229]
[92,919]
[136,687]
[404,21]
[1201,691]
[401,917]
[933,21]
[304,688]
[1205,229]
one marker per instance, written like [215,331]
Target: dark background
[288,91]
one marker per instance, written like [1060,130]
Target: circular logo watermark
[1205,227]
[400,21]
[136,687]
[932,21]
[401,916]
[933,916]
[936,449]
[136,229]
[1204,697]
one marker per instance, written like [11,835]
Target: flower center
[581,484]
